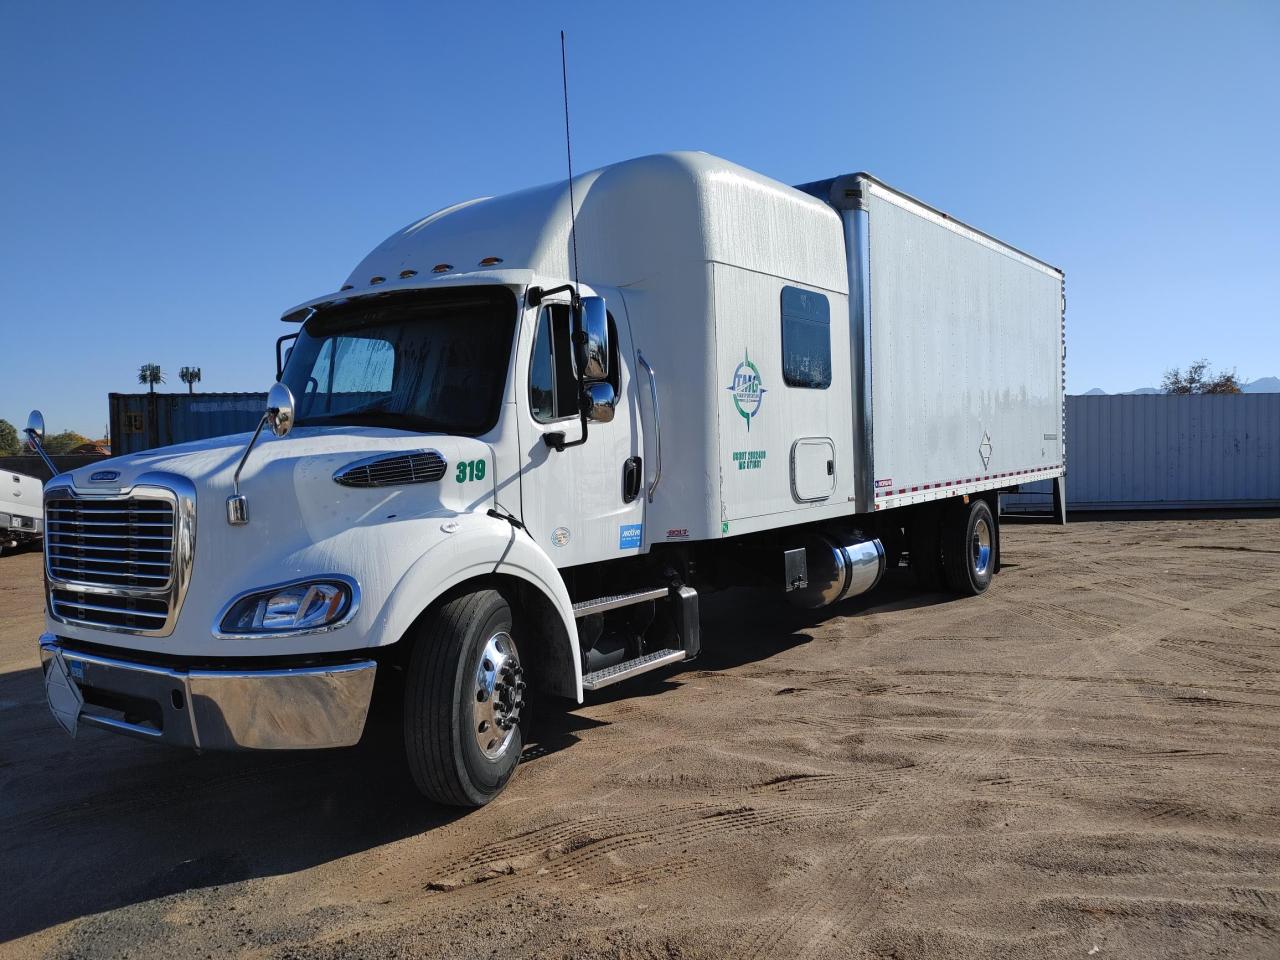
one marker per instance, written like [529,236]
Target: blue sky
[174,175]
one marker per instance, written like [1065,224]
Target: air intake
[393,469]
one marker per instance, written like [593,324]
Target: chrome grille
[387,470]
[120,562]
[110,543]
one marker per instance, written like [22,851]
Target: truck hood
[289,481]
[292,496]
[301,524]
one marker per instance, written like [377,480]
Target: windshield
[428,361]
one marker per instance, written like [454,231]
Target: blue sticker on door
[629,535]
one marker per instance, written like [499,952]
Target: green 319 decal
[469,470]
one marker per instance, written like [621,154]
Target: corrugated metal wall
[1168,452]
[141,421]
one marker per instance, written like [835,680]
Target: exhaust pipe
[839,566]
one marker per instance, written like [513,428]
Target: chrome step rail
[585,608]
[630,668]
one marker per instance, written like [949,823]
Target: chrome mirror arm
[279,416]
[237,503]
[33,438]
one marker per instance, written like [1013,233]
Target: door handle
[631,476]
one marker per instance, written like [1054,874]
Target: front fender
[476,546]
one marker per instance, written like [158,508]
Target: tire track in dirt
[801,910]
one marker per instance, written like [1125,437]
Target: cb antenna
[568,150]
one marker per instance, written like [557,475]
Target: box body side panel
[966,357]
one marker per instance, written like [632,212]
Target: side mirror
[591,339]
[599,401]
[35,426]
[280,409]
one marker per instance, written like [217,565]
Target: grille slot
[393,469]
[112,610]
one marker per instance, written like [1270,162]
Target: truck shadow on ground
[100,822]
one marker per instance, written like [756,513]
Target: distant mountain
[1261,385]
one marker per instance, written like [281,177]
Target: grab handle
[657,423]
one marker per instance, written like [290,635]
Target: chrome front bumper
[286,709]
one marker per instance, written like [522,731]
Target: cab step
[630,668]
[684,602]
[585,608]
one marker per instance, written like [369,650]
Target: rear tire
[464,704]
[925,549]
[969,547]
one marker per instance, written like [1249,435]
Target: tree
[63,442]
[1200,378]
[189,376]
[150,374]
[9,444]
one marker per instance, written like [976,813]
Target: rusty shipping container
[142,421]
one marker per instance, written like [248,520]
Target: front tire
[464,704]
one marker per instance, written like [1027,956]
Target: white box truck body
[501,459]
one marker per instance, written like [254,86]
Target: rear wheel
[969,547]
[464,705]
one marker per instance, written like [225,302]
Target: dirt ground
[1084,762]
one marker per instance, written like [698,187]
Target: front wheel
[464,704]
[969,547]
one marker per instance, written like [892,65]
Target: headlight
[306,605]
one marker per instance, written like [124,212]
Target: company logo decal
[104,476]
[560,536]
[629,535]
[678,533]
[747,389]
[884,484]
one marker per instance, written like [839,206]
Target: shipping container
[1164,452]
[141,421]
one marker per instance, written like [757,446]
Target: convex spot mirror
[35,425]
[280,409]
[591,339]
[599,400]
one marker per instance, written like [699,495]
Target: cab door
[583,504]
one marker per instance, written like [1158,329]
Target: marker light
[490,261]
[310,605]
[373,280]
[442,268]
[406,274]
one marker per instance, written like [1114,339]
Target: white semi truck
[497,466]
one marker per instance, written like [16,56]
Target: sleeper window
[806,339]
[553,389]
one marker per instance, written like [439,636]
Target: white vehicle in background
[21,510]
[497,466]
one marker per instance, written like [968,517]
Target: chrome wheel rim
[981,547]
[497,695]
